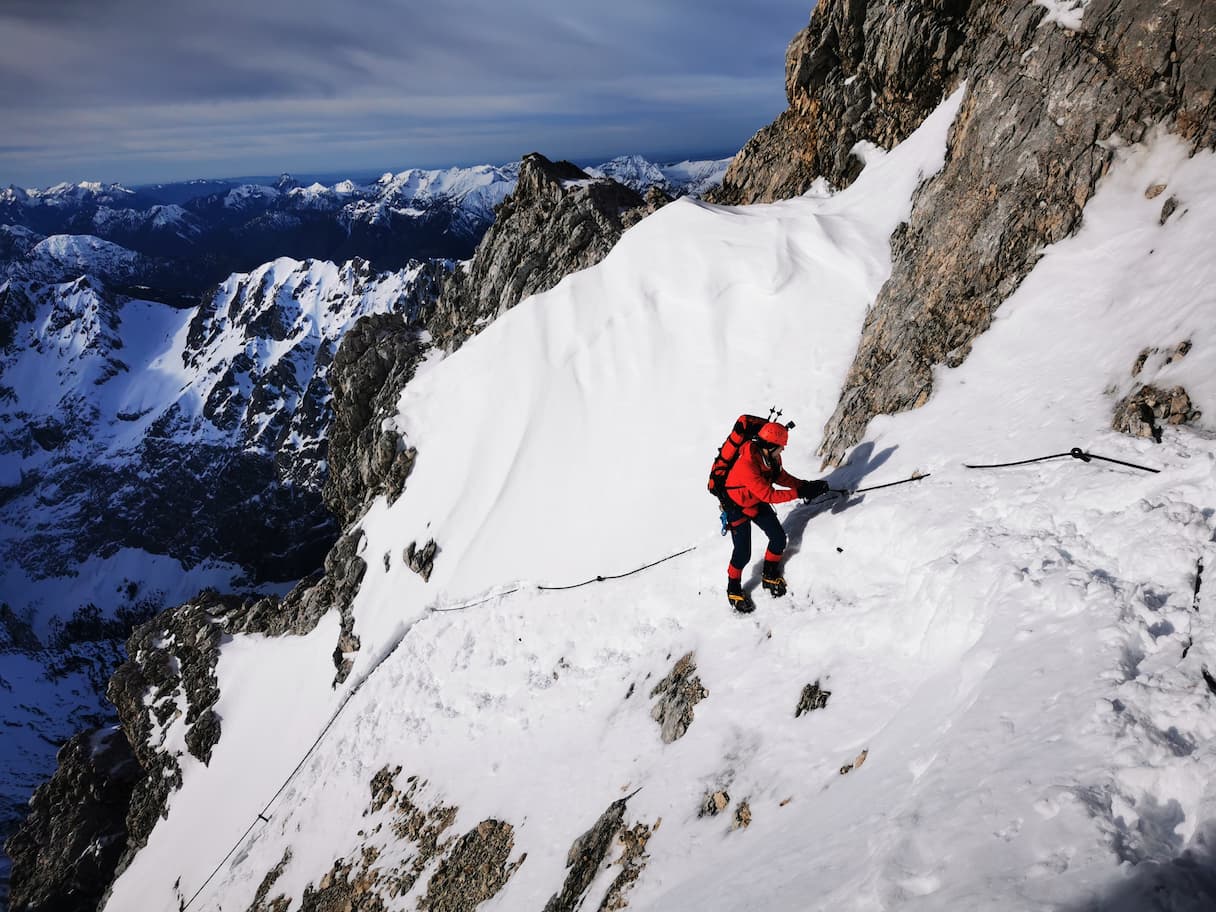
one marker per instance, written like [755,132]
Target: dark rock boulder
[421,560]
[812,698]
[377,357]
[64,855]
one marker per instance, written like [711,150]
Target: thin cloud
[137,91]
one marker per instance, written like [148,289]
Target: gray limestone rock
[421,560]
[377,357]
[1044,109]
[586,856]
[678,693]
[558,220]
[1143,412]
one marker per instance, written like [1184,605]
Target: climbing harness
[1075,453]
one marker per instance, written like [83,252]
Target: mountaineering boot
[772,580]
[739,600]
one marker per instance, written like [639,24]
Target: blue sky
[140,91]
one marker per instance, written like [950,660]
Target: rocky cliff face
[76,828]
[1049,99]
[558,220]
[860,71]
[155,412]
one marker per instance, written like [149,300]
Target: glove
[809,490]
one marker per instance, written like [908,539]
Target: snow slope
[1019,652]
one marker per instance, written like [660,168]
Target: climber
[749,492]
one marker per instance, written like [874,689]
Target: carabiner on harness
[725,524]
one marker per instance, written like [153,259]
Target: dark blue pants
[741,534]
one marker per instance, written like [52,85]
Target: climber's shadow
[861,462]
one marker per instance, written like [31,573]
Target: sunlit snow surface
[1020,651]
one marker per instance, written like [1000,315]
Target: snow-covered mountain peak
[81,254]
[170,215]
[631,170]
[676,179]
[249,194]
[68,194]
[481,183]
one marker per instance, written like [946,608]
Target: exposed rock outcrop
[714,803]
[1150,405]
[169,681]
[421,560]
[65,854]
[467,870]
[558,220]
[632,863]
[678,693]
[743,816]
[859,71]
[378,356]
[1144,412]
[587,857]
[811,699]
[1045,108]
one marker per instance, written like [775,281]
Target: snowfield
[1017,655]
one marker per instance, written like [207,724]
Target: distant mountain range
[112,403]
[193,234]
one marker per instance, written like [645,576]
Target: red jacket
[751,480]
